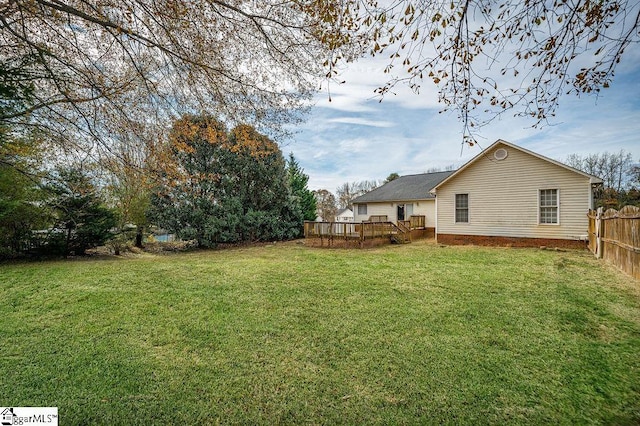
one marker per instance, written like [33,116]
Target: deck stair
[401,233]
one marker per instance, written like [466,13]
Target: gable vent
[500,154]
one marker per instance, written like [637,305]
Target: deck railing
[370,230]
[364,230]
[417,221]
[360,232]
[414,222]
[332,229]
[357,231]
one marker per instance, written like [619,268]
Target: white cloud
[363,77]
[356,138]
[343,101]
[361,121]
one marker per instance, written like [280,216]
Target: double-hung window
[462,208]
[362,209]
[549,207]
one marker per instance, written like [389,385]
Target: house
[344,215]
[401,198]
[508,195]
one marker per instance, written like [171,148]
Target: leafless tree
[347,192]
[326,205]
[491,56]
[615,169]
[94,70]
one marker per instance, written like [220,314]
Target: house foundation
[485,240]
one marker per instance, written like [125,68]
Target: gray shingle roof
[405,188]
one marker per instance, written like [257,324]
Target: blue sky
[354,137]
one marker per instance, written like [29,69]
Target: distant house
[344,215]
[510,195]
[401,198]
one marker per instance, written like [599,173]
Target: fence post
[599,232]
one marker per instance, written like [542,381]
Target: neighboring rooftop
[341,211]
[405,188]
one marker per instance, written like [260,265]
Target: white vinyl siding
[549,205]
[345,216]
[425,208]
[506,198]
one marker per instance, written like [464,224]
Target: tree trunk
[66,244]
[139,236]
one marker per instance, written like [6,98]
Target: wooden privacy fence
[615,237]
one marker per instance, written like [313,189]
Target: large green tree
[261,187]
[223,187]
[298,182]
[392,176]
[21,198]
[186,198]
[79,212]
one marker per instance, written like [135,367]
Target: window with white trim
[549,206]
[462,208]
[362,209]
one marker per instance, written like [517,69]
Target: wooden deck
[362,234]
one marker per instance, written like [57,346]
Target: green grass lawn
[287,334]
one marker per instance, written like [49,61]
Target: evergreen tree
[298,181]
[79,211]
[220,187]
[392,176]
[186,200]
[21,206]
